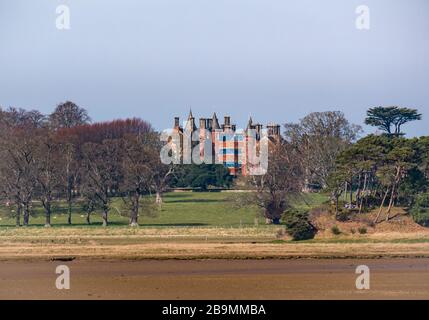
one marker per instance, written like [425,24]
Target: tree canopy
[385,118]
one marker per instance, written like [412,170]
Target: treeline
[64,156]
[326,153]
[381,170]
[384,169]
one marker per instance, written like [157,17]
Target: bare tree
[102,173]
[48,162]
[70,170]
[65,116]
[275,190]
[161,173]
[68,115]
[137,171]
[320,137]
[17,165]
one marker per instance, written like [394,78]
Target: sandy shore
[216,279]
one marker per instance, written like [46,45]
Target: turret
[215,122]
[190,124]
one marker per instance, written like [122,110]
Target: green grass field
[180,209]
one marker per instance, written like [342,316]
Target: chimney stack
[273,129]
[227,120]
[203,123]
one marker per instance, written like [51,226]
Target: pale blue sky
[276,60]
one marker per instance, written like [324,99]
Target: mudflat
[217,279]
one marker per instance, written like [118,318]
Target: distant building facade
[228,145]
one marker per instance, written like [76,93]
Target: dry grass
[69,234]
[198,243]
[168,250]
[399,226]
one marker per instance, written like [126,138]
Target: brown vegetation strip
[169,250]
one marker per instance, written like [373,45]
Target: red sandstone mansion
[229,145]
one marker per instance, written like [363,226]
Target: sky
[275,60]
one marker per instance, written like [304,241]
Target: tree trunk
[361,206]
[26,214]
[336,204]
[345,191]
[69,185]
[47,206]
[88,217]
[69,220]
[104,216]
[135,211]
[134,222]
[381,206]
[358,191]
[48,216]
[18,215]
[351,191]
[389,208]
[393,194]
[158,199]
[363,191]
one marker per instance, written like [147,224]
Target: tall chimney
[227,120]
[273,129]
[203,123]
[277,131]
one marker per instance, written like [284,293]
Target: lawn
[180,209]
